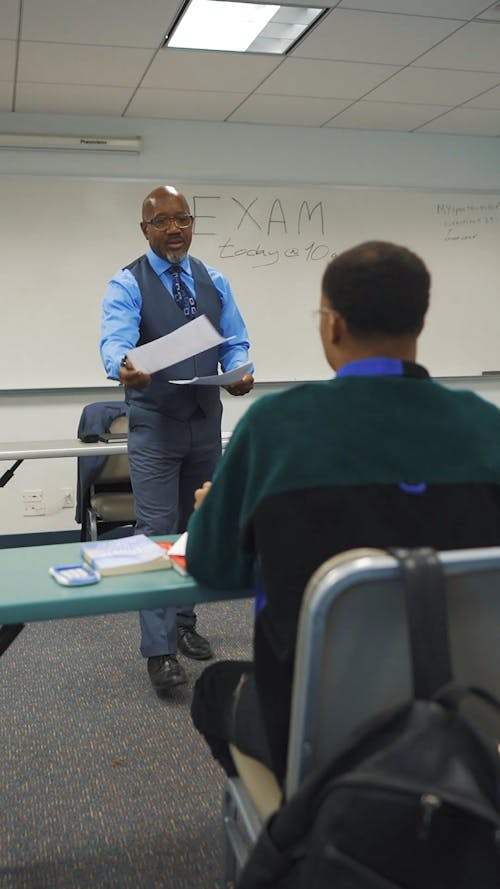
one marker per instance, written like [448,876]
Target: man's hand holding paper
[241,386]
[130,376]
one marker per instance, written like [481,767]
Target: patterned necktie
[181,294]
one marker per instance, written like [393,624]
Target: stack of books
[178,560]
[125,555]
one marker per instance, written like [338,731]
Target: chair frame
[333,581]
[94,524]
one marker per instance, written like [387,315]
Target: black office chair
[110,501]
[104,499]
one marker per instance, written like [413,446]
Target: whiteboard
[62,240]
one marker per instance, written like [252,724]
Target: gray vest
[161,315]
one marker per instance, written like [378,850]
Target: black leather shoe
[190,643]
[166,672]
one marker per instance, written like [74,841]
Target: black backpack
[414,799]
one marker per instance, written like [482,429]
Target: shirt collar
[388,367]
[160,265]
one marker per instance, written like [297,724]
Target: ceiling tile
[9,18]
[7,59]
[324,4]
[59,63]
[469,121]
[183,104]
[489,99]
[287,110]
[452,9]
[102,22]
[96,56]
[476,47]
[53,98]
[434,85]
[325,79]
[217,71]
[492,14]
[6,94]
[373,37]
[386,116]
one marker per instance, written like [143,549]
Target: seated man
[379,456]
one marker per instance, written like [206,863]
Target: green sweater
[324,467]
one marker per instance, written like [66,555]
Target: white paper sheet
[225,379]
[188,340]
[179,547]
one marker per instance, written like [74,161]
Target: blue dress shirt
[121,315]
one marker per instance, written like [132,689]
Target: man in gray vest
[174,431]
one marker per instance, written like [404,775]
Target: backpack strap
[427,619]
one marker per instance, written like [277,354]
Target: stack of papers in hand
[188,340]
[125,555]
[223,379]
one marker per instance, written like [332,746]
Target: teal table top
[29,593]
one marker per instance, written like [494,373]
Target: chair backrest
[352,656]
[111,501]
[116,467]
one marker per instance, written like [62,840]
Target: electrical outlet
[68,497]
[36,508]
[34,496]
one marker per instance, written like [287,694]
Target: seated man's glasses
[161,223]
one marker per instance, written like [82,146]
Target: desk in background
[18,451]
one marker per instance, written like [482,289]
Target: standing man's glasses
[161,223]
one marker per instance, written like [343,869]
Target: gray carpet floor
[105,784]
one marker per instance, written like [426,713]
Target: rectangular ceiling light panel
[241,27]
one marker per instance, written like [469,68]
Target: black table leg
[8,633]
[6,477]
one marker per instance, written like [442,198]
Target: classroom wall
[182,151]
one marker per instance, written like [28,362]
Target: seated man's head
[373,303]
